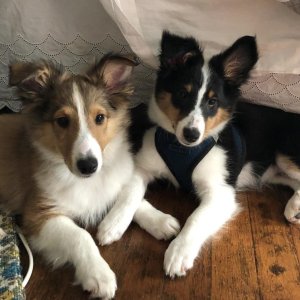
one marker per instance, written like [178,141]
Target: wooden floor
[255,257]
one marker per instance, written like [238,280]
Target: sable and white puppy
[67,158]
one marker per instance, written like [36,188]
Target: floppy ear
[177,50]
[31,78]
[114,72]
[237,61]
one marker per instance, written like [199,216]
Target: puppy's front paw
[111,229]
[292,209]
[98,279]
[165,227]
[179,257]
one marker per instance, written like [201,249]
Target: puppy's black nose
[191,134]
[87,166]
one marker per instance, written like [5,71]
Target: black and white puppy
[195,145]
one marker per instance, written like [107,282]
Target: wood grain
[233,261]
[256,256]
[277,262]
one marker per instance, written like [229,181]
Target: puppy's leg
[292,208]
[155,222]
[129,204]
[217,207]
[61,241]
[287,172]
[120,216]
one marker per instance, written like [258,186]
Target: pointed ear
[237,61]
[114,71]
[177,50]
[32,79]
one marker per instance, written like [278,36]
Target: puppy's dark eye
[182,93]
[212,102]
[62,122]
[99,119]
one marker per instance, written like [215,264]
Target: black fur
[181,61]
[267,132]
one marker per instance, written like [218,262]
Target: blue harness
[181,160]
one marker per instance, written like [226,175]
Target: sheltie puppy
[208,144]
[66,159]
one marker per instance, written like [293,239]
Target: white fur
[62,241]
[217,206]
[129,202]
[247,178]
[195,118]
[85,199]
[85,144]
[275,174]
[155,222]
[283,175]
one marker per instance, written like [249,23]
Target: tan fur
[36,213]
[20,71]
[164,101]
[212,122]
[105,132]
[16,162]
[188,87]
[211,94]
[288,163]
[232,65]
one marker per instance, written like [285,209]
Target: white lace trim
[75,55]
[277,90]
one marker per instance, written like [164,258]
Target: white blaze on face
[85,146]
[195,118]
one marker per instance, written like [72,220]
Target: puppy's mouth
[85,176]
[187,144]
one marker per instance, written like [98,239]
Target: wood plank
[197,283]
[225,268]
[233,262]
[285,195]
[276,260]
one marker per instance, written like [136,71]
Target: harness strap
[181,160]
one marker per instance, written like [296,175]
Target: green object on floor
[10,267]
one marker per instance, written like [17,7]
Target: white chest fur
[85,199]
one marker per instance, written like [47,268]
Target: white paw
[111,229]
[179,257]
[292,209]
[98,279]
[164,227]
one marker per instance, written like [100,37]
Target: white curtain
[217,23]
[76,33]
